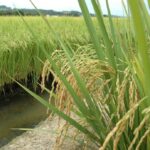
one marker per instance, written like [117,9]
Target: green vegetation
[102,77]
[19,49]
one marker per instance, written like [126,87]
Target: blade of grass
[91,29]
[108,43]
[148,3]
[142,44]
[117,46]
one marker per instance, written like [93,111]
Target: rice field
[19,50]
[20,53]
[100,65]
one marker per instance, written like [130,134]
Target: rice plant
[103,87]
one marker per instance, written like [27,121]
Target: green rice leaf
[108,43]
[91,29]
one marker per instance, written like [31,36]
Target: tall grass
[103,87]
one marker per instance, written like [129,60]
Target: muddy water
[21,111]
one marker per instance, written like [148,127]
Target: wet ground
[45,135]
[19,111]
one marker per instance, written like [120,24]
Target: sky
[60,5]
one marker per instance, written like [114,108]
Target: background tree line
[7,11]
